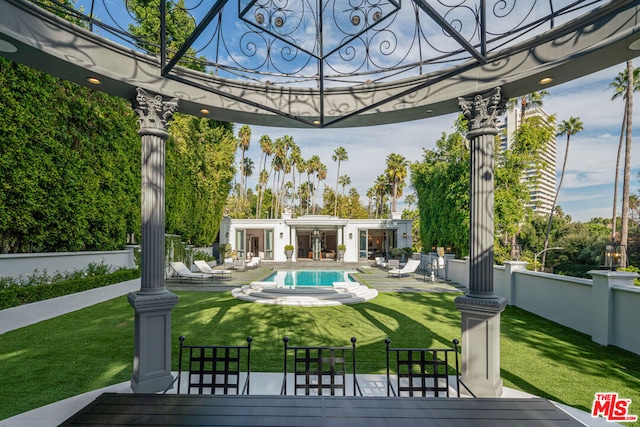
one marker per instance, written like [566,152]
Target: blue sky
[587,190]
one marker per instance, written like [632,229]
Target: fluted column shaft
[152,214]
[481,226]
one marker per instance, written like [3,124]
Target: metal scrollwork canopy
[337,62]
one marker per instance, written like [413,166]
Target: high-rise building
[541,181]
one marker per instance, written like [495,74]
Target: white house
[315,237]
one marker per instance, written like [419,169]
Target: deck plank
[196,410]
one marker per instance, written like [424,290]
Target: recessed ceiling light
[635,45]
[5,46]
[429,111]
[93,80]
[316,122]
[204,111]
[546,80]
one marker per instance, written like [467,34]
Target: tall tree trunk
[627,163]
[617,176]
[555,200]
[335,202]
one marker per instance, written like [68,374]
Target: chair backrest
[228,262]
[320,370]
[411,265]
[423,372]
[203,266]
[394,263]
[215,369]
[238,263]
[180,268]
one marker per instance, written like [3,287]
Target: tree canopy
[199,171]
[441,181]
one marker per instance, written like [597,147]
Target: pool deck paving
[367,274]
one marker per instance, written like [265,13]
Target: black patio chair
[423,372]
[215,369]
[320,371]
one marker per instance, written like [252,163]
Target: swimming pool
[309,278]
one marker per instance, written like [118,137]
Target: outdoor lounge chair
[254,262]
[206,269]
[239,264]
[183,272]
[215,369]
[320,371]
[228,263]
[423,372]
[410,268]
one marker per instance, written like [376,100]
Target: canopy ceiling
[319,63]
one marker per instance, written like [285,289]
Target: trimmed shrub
[15,294]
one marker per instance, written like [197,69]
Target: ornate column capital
[482,111]
[155,113]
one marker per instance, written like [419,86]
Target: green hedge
[16,295]
[574,269]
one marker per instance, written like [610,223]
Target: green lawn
[92,348]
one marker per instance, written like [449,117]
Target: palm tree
[266,147]
[278,163]
[312,164]
[619,86]
[410,199]
[381,189]
[244,141]
[566,127]
[397,166]
[285,143]
[532,100]
[247,171]
[527,102]
[339,155]
[344,180]
[263,179]
[321,174]
[296,162]
[371,194]
[624,231]
[305,190]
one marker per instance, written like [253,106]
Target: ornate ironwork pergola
[333,63]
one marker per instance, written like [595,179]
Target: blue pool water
[309,277]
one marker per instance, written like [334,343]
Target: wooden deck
[111,409]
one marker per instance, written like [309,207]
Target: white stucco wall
[15,265]
[284,232]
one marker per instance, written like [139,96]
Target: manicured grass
[92,348]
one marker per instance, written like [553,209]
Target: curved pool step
[308,296]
